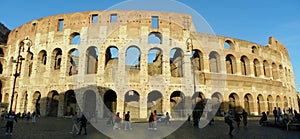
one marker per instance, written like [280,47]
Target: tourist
[150,121]
[75,122]
[117,121]
[167,119]
[33,118]
[237,118]
[263,118]
[279,115]
[127,121]
[189,119]
[228,120]
[155,120]
[11,117]
[244,117]
[83,122]
[275,114]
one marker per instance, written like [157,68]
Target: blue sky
[254,20]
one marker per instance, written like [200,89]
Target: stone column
[143,107]
[238,67]
[61,104]
[251,67]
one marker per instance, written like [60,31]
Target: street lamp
[22,44]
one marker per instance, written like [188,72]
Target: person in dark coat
[11,117]
[83,122]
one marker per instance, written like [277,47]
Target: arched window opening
[197,60]
[266,68]
[176,62]
[57,53]
[29,63]
[256,68]
[254,50]
[111,54]
[1,52]
[154,102]
[155,61]
[75,38]
[274,71]
[92,60]
[155,38]
[1,68]
[214,62]
[133,55]
[245,65]
[73,62]
[228,44]
[132,103]
[230,64]
[177,103]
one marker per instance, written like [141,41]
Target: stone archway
[248,103]
[89,103]
[52,103]
[110,103]
[177,103]
[233,102]
[216,100]
[132,103]
[260,104]
[36,102]
[154,102]
[70,103]
[270,104]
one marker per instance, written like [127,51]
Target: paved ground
[59,128]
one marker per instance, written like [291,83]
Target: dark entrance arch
[110,103]
[52,103]
[70,103]
[89,106]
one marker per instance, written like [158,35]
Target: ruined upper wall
[277,45]
[4,31]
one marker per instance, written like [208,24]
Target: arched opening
[254,50]
[256,68]
[91,60]
[260,104]
[70,103]
[285,101]
[197,60]
[270,104]
[6,97]
[132,103]
[132,57]
[155,61]
[214,62]
[176,62]
[42,61]
[230,64]
[154,102]
[245,69]
[228,44]
[73,62]
[198,101]
[248,103]
[25,102]
[36,102]
[0,91]
[266,68]
[75,38]
[56,58]
[155,38]
[177,100]
[274,71]
[29,64]
[281,73]
[52,103]
[278,102]
[111,55]
[233,102]
[216,100]
[89,103]
[110,101]
[1,52]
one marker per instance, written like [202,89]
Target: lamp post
[19,60]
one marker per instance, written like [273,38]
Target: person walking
[167,119]
[279,115]
[275,114]
[245,117]
[33,118]
[150,121]
[155,120]
[83,122]
[127,121]
[117,121]
[11,117]
[75,122]
[228,120]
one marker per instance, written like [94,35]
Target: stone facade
[140,61]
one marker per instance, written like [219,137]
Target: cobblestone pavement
[59,128]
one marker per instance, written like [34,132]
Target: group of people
[81,121]
[232,116]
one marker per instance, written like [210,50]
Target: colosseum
[116,61]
